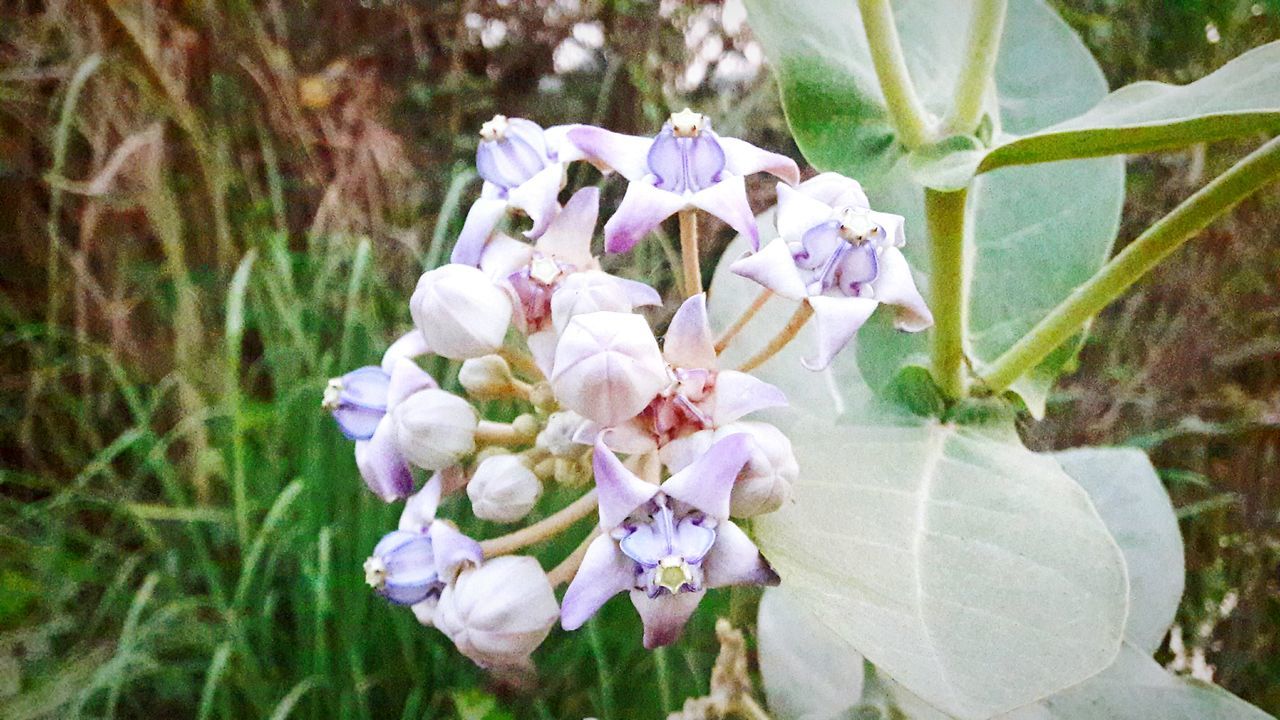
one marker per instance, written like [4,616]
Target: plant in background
[893,499]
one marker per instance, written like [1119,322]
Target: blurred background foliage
[212,207]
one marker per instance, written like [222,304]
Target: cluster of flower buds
[541,325]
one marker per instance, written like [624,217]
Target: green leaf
[968,568]
[1038,231]
[1133,503]
[807,672]
[1240,98]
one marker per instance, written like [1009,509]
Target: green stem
[1155,244]
[904,106]
[689,257]
[985,26]
[949,271]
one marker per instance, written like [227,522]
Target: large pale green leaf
[969,569]
[808,673]
[1133,503]
[1240,98]
[1038,231]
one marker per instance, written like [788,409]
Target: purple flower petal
[689,342]
[738,394]
[836,191]
[727,200]
[453,550]
[642,208]
[707,483]
[519,155]
[664,616]
[408,567]
[382,466]
[409,345]
[858,267]
[818,244]
[420,509]
[798,211]
[482,218]
[604,572]
[406,379]
[685,164]
[626,155]
[774,268]
[893,225]
[620,490]
[361,401]
[638,293]
[895,287]
[735,560]
[837,319]
[559,149]
[743,158]
[568,237]
[539,198]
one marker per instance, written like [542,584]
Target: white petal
[774,268]
[896,287]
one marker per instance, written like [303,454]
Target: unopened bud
[557,437]
[434,428]
[543,397]
[526,426]
[503,489]
[572,473]
[608,367]
[487,378]
[460,311]
[497,614]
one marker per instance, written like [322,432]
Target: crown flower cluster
[659,443]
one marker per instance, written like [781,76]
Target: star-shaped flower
[523,169]
[841,257]
[687,165]
[666,544]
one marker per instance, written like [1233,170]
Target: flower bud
[572,473]
[460,311]
[500,612]
[557,437]
[608,367]
[586,292]
[434,428]
[487,378]
[765,481]
[503,489]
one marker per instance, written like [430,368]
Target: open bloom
[557,277]
[408,568]
[666,544]
[841,257]
[360,402]
[687,165]
[523,169]
[764,484]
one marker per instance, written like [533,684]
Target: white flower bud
[608,367]
[460,311]
[434,428]
[557,437]
[586,292]
[764,483]
[503,489]
[497,614]
[487,378]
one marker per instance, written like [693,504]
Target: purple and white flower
[687,165]
[841,257]
[666,544]
[523,169]
[697,395]
[360,402]
[408,568]
[764,484]
[557,277]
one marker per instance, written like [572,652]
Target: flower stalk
[690,259]
[1168,234]
[779,341]
[561,574]
[732,331]
[544,529]
[949,277]
[908,114]
[985,26]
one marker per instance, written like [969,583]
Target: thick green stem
[985,26]
[949,271]
[908,114]
[689,252]
[1185,221]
